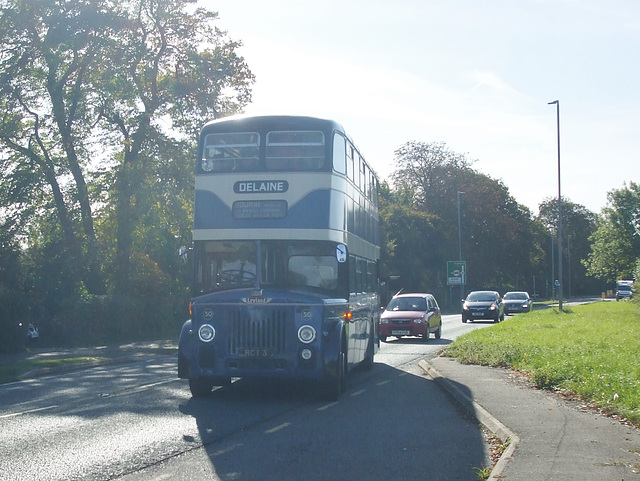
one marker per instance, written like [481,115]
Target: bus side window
[371,270]
[339,153]
[350,161]
[360,275]
[353,288]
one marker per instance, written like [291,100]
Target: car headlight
[493,307]
[384,321]
[418,321]
[307,334]
[206,333]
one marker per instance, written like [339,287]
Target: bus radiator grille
[256,337]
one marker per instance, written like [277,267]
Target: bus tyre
[367,363]
[337,384]
[200,386]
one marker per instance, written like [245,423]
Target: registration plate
[400,333]
[478,313]
[255,353]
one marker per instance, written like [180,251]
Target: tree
[433,173]
[578,224]
[48,51]
[497,233]
[11,299]
[172,63]
[84,81]
[404,231]
[615,245]
[101,104]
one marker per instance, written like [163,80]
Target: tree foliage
[172,63]
[101,103]
[578,224]
[498,236]
[615,245]
[48,50]
[403,229]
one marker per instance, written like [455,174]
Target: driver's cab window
[225,264]
[299,265]
[313,271]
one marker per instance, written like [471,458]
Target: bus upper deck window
[231,152]
[339,154]
[295,151]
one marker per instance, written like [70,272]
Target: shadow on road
[390,424]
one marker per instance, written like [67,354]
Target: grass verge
[591,350]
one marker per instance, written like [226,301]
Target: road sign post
[456,276]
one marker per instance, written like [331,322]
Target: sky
[477,75]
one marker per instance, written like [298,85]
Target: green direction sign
[456,273]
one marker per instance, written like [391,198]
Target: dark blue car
[482,305]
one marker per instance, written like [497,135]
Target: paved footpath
[551,438]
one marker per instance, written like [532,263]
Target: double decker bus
[286,249]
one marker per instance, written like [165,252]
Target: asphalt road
[138,422]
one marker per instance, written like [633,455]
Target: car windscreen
[481,297]
[516,296]
[407,304]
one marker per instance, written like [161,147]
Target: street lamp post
[553,270]
[460,243]
[557,104]
[569,258]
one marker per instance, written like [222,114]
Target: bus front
[271,263]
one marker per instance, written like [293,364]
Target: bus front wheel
[367,364]
[336,383]
[200,386]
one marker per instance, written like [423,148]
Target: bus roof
[282,121]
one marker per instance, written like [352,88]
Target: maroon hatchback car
[415,314]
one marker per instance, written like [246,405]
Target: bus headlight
[206,333]
[307,334]
[306,354]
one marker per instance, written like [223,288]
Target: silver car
[517,301]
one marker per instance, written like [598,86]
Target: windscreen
[295,151]
[231,152]
[284,151]
[407,304]
[481,297]
[224,265]
[291,265]
[516,296]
